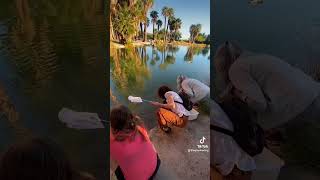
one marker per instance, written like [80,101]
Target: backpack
[186,101]
[247,133]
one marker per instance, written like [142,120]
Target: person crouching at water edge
[285,101]
[195,89]
[172,112]
[275,90]
[131,147]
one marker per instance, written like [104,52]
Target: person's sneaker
[166,129]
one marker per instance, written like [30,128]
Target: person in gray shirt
[275,90]
[285,100]
[195,89]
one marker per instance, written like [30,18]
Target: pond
[289,29]
[141,71]
[52,55]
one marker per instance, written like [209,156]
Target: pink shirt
[137,158]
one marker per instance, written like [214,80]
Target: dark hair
[121,118]
[162,91]
[35,159]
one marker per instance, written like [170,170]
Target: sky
[189,11]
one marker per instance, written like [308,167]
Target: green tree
[171,24]
[154,17]
[147,4]
[174,26]
[140,17]
[171,16]
[167,13]
[194,30]
[201,38]
[136,10]
[146,25]
[159,24]
[113,11]
[176,35]
[124,24]
[208,39]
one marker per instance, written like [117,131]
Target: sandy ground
[136,43]
[176,162]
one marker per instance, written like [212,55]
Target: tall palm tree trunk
[158,32]
[167,29]
[112,37]
[153,30]
[165,32]
[141,29]
[145,32]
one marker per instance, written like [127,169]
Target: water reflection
[140,71]
[52,55]
[33,47]
[192,51]
[255,2]
[131,73]
[9,113]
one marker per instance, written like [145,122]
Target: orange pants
[167,117]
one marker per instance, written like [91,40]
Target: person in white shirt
[226,154]
[172,112]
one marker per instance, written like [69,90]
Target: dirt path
[177,163]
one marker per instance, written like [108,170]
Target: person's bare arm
[246,88]
[170,103]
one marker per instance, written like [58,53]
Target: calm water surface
[140,71]
[52,56]
[289,29]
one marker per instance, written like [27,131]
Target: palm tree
[146,24]
[194,30]
[140,16]
[176,27]
[113,10]
[170,14]
[133,9]
[198,30]
[191,31]
[125,24]
[154,16]
[166,12]
[159,24]
[176,35]
[171,24]
[147,4]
